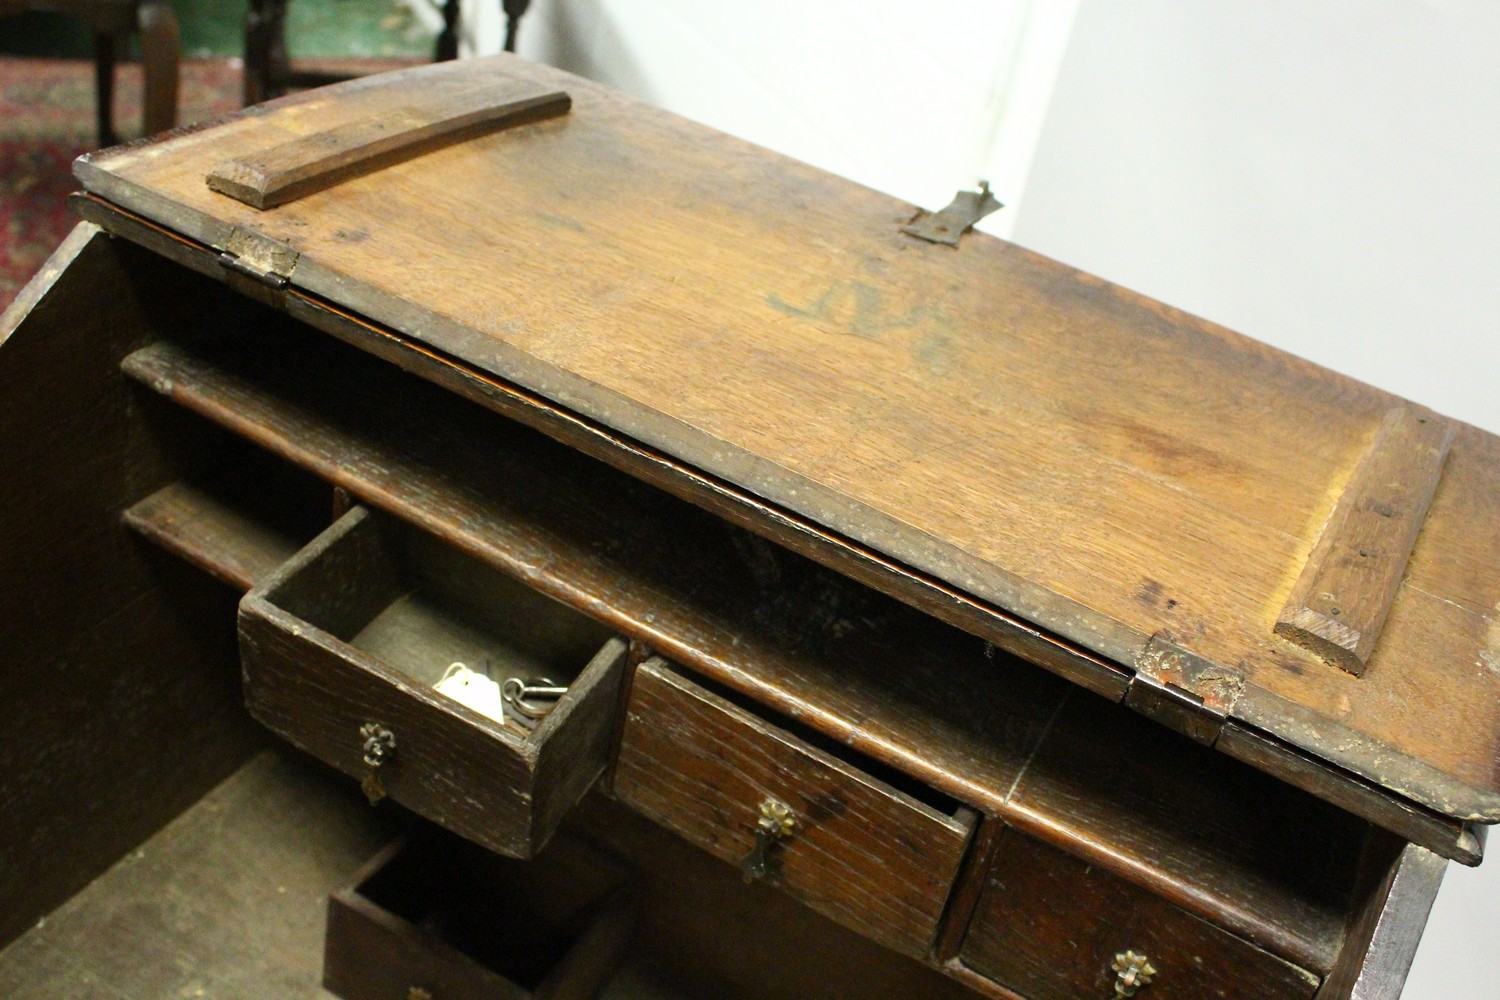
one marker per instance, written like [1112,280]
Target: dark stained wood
[1342,598]
[442,918]
[1231,845]
[227,899]
[1382,937]
[968,884]
[161,49]
[864,670]
[118,673]
[870,857]
[705,934]
[359,931]
[1086,459]
[784,527]
[1461,842]
[338,638]
[213,533]
[880,677]
[1049,926]
[444,111]
[1364,798]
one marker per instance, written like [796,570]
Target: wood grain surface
[883,678]
[1340,601]
[872,674]
[1095,462]
[215,533]
[308,679]
[227,901]
[1049,926]
[1194,826]
[1383,936]
[118,672]
[1444,835]
[862,853]
[447,109]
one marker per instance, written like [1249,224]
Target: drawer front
[308,681]
[862,853]
[1049,926]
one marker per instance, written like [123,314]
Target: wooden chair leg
[265,50]
[447,41]
[161,49]
[104,87]
[514,11]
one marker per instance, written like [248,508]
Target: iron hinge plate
[1181,689]
[259,257]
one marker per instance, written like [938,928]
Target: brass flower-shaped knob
[777,822]
[1132,971]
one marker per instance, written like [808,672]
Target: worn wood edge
[968,886]
[303,166]
[1052,612]
[1383,938]
[597,953]
[1342,749]
[1447,837]
[150,518]
[669,675]
[260,603]
[609,658]
[983,985]
[564,775]
[659,469]
[355,906]
[1228,914]
[1416,443]
[46,276]
[157,373]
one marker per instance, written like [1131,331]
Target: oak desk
[1008,632]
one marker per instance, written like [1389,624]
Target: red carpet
[47,119]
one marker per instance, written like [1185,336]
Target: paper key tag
[471,688]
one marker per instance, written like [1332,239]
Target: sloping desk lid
[1146,485]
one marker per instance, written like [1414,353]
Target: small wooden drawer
[424,920]
[346,641]
[1049,927]
[861,852]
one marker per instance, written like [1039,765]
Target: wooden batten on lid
[1296,568]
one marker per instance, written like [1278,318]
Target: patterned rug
[47,119]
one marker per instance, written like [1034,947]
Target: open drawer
[430,918]
[344,645]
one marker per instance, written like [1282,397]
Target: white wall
[918,100]
[1321,175]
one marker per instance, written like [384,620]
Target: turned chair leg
[447,41]
[161,49]
[265,51]
[104,87]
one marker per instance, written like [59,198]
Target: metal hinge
[948,224]
[260,258]
[1181,689]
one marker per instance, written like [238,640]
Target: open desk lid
[1153,489]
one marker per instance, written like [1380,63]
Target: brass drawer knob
[1132,971]
[776,823]
[379,747]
